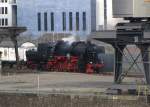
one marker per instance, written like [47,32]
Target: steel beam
[118,61]
[146,62]
[14,40]
[12,32]
[128,33]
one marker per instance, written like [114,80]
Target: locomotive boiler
[62,56]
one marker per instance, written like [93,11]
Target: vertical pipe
[146,59]
[14,39]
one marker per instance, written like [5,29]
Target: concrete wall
[61,100]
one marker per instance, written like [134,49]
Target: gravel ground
[58,81]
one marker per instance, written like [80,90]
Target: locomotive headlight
[91,62]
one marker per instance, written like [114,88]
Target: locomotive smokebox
[78,48]
[62,48]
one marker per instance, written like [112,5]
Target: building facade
[77,17]
[8,13]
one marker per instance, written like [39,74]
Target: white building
[8,10]
[77,17]
[8,50]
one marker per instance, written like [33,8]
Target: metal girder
[121,77]
[134,59]
[118,61]
[137,34]
[146,61]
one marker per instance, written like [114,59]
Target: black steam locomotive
[62,56]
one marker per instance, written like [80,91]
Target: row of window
[64,21]
[4,22]
[3,1]
[3,10]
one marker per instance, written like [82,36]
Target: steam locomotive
[62,56]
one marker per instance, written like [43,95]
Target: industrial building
[66,16]
[8,13]
[50,16]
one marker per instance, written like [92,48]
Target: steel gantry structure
[135,32]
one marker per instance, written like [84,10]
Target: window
[6,10]
[64,21]
[6,22]
[45,21]
[84,21]
[2,1]
[70,21]
[77,21]
[14,1]
[2,10]
[39,21]
[52,21]
[2,22]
